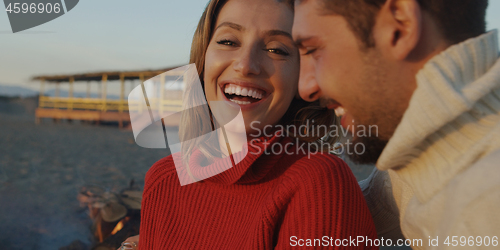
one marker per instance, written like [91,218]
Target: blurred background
[66,184]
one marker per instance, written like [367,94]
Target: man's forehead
[298,2]
[302,2]
[308,5]
[293,2]
[304,17]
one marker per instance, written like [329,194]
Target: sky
[100,35]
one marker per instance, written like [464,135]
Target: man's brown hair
[458,20]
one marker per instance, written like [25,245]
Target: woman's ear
[398,28]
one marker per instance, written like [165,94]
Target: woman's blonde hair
[196,121]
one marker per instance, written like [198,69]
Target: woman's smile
[245,94]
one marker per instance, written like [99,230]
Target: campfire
[115,216]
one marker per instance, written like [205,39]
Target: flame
[119,226]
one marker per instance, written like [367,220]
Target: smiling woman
[247,59]
[251,50]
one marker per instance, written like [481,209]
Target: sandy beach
[42,168]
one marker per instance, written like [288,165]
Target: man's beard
[376,114]
[373,147]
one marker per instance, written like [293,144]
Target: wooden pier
[102,109]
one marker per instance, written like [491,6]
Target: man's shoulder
[475,186]
[480,176]
[472,200]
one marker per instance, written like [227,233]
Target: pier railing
[165,100]
[107,105]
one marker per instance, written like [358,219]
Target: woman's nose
[248,63]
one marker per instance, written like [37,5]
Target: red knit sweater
[264,202]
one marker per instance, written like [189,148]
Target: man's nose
[309,89]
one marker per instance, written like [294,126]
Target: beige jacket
[444,157]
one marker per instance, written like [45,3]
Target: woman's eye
[278,51]
[226,42]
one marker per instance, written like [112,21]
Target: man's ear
[398,28]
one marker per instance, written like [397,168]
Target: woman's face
[252,61]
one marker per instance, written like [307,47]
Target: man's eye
[226,42]
[278,51]
[309,51]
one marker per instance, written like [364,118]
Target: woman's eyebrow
[278,33]
[241,28]
[231,25]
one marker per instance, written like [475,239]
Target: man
[423,78]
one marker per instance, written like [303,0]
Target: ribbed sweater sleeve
[153,205]
[327,192]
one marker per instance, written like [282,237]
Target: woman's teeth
[233,89]
[240,102]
